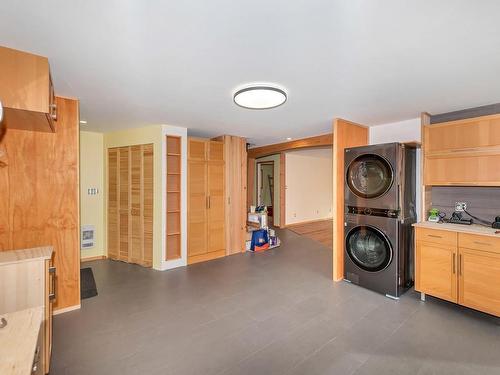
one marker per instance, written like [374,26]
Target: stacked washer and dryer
[380,208]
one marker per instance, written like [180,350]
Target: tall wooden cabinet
[130,204]
[206,200]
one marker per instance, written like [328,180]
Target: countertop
[25,255]
[472,229]
[18,340]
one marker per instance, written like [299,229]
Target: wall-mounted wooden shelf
[173,230]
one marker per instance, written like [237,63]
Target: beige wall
[92,176]
[308,185]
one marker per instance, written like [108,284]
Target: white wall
[308,185]
[402,131]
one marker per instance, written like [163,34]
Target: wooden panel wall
[236,192]
[250,182]
[39,196]
[345,134]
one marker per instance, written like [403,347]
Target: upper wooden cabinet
[464,152]
[26,91]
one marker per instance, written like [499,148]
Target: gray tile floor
[272,313]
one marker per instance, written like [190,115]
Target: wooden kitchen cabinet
[464,152]
[467,273]
[436,268]
[479,280]
[206,200]
[26,91]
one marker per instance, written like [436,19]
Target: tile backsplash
[483,202]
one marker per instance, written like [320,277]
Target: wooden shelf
[173,249]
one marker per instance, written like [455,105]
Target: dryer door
[369,248]
[369,176]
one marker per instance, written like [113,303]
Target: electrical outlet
[460,206]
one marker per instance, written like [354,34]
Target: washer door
[369,248]
[369,176]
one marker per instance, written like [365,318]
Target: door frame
[259,179]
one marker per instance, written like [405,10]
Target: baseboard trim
[66,309]
[308,222]
[90,259]
[206,257]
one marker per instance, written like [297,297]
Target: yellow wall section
[149,134]
[92,176]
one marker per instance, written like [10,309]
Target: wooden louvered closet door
[130,204]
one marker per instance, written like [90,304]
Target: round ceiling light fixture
[260,96]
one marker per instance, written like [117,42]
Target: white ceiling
[135,63]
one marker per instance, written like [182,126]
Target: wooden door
[216,218]
[197,207]
[197,149]
[113,217]
[130,204]
[124,203]
[136,244]
[235,157]
[147,203]
[436,270]
[479,280]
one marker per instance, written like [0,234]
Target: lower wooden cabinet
[469,276]
[479,280]
[436,267]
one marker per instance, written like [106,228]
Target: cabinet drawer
[437,236]
[478,242]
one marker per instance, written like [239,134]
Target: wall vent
[88,236]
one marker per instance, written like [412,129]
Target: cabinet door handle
[52,274]
[434,236]
[209,202]
[460,264]
[454,260]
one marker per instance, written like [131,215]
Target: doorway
[265,187]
